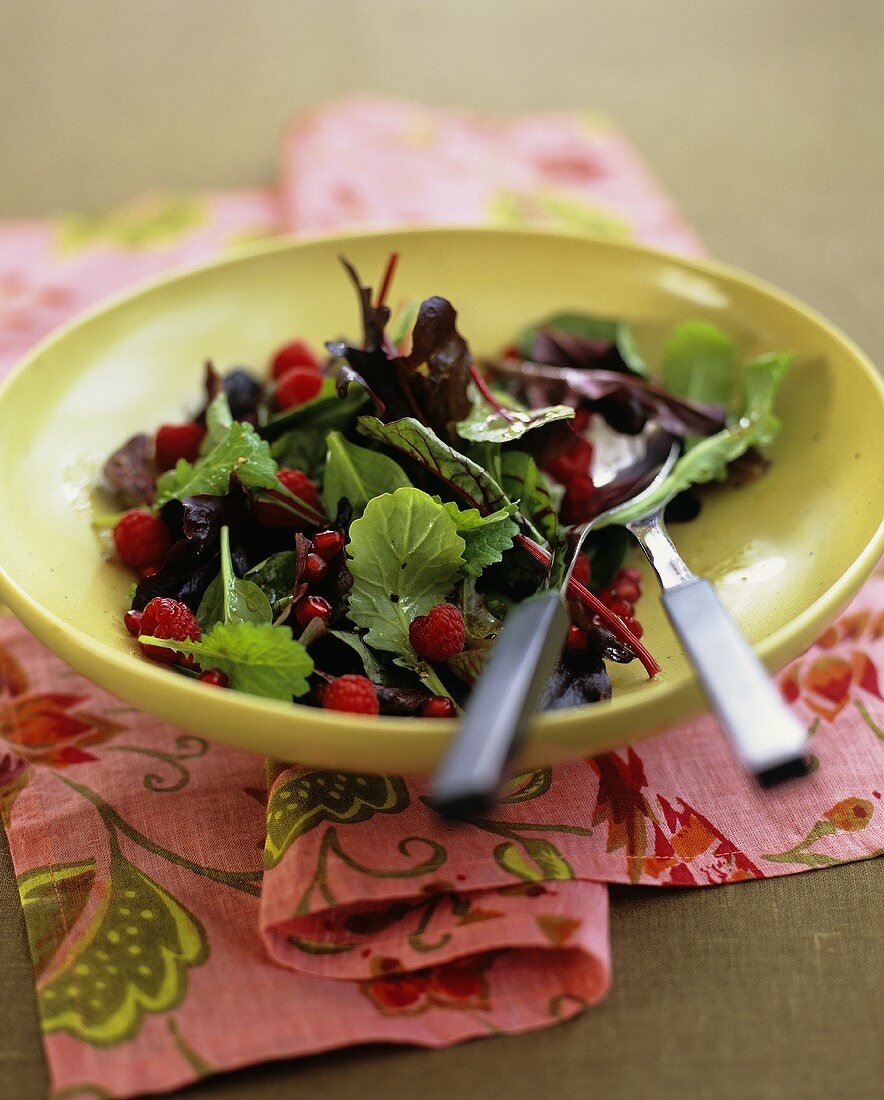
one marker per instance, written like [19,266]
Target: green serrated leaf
[486,537]
[405,557]
[357,474]
[241,451]
[259,658]
[486,424]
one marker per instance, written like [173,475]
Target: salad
[352,531]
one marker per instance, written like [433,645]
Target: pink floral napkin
[190,909]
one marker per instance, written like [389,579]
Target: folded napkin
[190,908]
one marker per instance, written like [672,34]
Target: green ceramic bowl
[786,553]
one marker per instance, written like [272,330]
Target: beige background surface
[764,118]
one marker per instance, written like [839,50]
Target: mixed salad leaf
[378,528]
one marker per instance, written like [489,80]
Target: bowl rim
[775,650]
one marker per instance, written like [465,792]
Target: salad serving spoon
[764,734]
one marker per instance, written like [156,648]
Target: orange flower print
[850,814]
[827,683]
[621,805]
[459,984]
[42,729]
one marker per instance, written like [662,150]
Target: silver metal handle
[764,733]
[501,706]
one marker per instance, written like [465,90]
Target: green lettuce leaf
[322,413]
[486,424]
[357,474]
[241,451]
[218,422]
[258,658]
[708,459]
[275,576]
[486,537]
[700,363]
[229,599]
[405,557]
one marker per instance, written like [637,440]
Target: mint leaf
[240,451]
[229,599]
[485,537]
[218,421]
[357,474]
[699,362]
[411,438]
[486,424]
[708,459]
[405,557]
[523,482]
[258,658]
[275,576]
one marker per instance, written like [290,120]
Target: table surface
[765,121]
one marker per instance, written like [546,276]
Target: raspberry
[312,607]
[141,539]
[166,618]
[439,634]
[315,568]
[132,622]
[576,638]
[215,677]
[297,483]
[297,387]
[296,354]
[328,544]
[440,706]
[174,441]
[351,693]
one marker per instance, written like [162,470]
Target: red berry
[351,693]
[315,568]
[296,354]
[297,387]
[328,544]
[582,571]
[312,607]
[297,483]
[440,706]
[151,571]
[132,622]
[623,608]
[630,573]
[439,634]
[627,589]
[174,441]
[576,638]
[215,677]
[141,539]
[166,618]
[607,596]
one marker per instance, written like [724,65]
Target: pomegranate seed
[215,677]
[630,573]
[312,607]
[328,543]
[296,354]
[132,621]
[635,628]
[297,387]
[623,608]
[315,568]
[151,571]
[607,596]
[582,570]
[576,638]
[440,706]
[627,589]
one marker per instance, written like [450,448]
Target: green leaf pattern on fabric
[53,899]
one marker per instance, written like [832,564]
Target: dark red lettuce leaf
[130,470]
[609,391]
[561,349]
